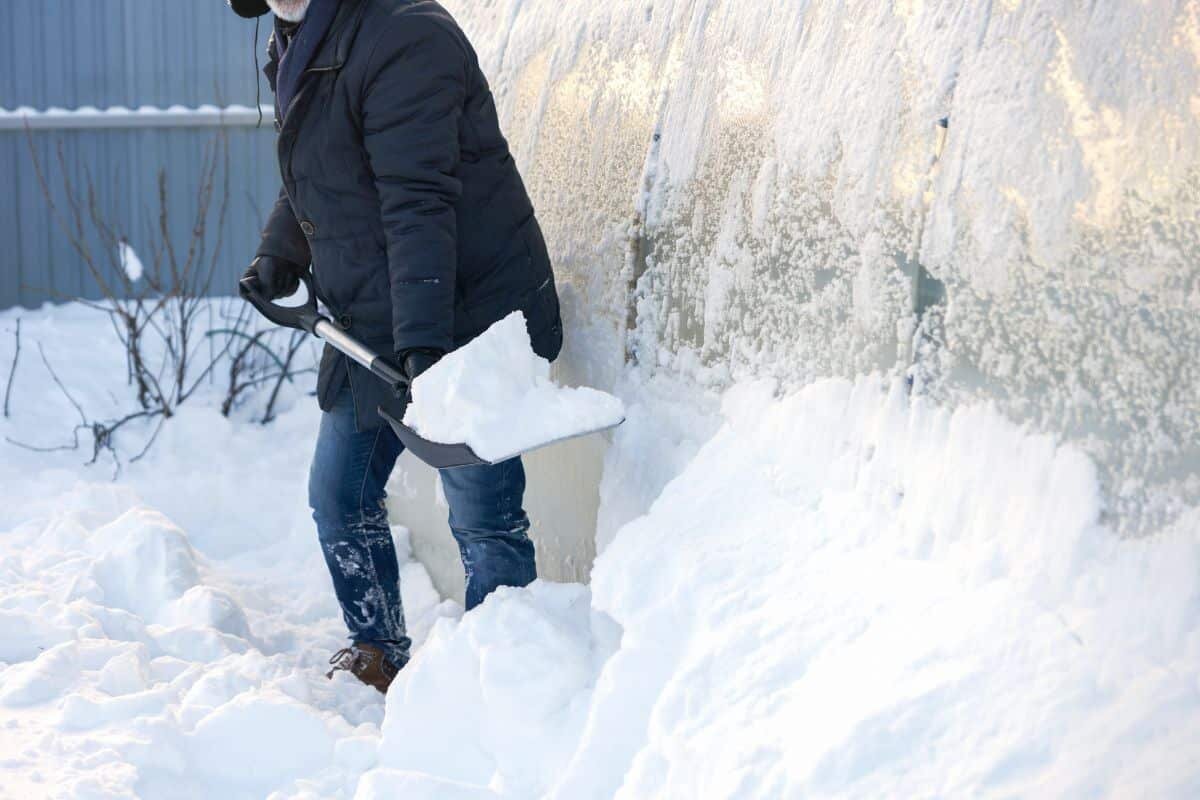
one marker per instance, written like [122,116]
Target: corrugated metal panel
[72,53]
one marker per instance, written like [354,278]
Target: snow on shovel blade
[494,395]
[446,456]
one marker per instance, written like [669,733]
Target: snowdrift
[844,593]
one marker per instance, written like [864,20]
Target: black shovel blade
[435,454]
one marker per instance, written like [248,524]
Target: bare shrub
[174,336]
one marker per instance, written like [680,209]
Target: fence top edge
[123,117]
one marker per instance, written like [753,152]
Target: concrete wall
[763,189]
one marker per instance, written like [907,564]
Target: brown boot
[367,663]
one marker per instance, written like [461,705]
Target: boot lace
[344,659]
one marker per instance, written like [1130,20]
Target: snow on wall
[772,179]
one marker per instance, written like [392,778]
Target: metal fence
[101,54]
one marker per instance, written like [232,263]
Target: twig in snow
[83,417]
[13,372]
[83,424]
[103,433]
[48,449]
[161,419]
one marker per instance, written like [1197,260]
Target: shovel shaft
[308,318]
[357,351]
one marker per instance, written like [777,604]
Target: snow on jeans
[346,492]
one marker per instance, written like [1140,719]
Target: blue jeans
[346,492]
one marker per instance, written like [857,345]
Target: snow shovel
[308,318]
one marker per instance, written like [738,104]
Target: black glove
[416,360]
[273,276]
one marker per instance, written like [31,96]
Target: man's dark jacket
[399,189]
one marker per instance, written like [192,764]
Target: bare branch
[51,449]
[66,394]
[12,373]
[74,234]
[294,345]
[164,228]
[149,442]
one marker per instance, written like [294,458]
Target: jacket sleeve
[412,105]
[282,237]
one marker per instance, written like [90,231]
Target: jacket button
[308,228]
[344,320]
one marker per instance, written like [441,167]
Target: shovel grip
[304,318]
[308,318]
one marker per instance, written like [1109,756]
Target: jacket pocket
[331,376]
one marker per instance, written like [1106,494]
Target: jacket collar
[335,48]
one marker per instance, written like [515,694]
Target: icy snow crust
[838,591]
[495,394]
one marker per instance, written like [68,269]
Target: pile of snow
[845,593]
[495,394]
[167,635]
[130,665]
[520,672]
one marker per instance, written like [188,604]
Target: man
[399,190]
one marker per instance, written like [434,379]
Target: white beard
[289,10]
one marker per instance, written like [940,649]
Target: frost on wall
[755,189]
[578,122]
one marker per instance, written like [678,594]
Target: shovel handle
[308,318]
[304,318]
[355,350]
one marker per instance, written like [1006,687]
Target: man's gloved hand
[273,276]
[416,360]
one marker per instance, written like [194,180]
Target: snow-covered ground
[837,592]
[164,634]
